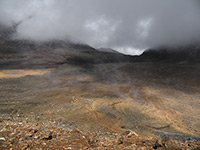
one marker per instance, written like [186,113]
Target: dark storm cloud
[129,25]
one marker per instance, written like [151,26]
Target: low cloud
[129,26]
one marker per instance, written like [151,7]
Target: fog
[130,26]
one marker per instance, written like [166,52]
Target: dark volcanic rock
[25,54]
[6,32]
[185,54]
[158,144]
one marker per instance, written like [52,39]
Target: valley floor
[150,99]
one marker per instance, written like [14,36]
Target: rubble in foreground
[47,135]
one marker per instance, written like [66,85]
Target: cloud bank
[129,26]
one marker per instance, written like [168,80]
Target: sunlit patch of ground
[22,73]
[109,98]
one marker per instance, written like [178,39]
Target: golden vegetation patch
[21,73]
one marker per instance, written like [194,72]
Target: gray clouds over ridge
[127,25]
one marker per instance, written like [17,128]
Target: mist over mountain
[130,27]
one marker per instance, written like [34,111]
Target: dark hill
[26,54]
[29,54]
[187,54]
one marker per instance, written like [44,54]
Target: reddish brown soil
[15,135]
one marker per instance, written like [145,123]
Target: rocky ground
[67,96]
[17,133]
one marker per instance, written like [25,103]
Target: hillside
[186,54]
[154,94]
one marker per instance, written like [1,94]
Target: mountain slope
[25,54]
[187,54]
[101,91]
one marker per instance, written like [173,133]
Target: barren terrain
[114,94]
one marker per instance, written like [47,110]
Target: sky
[129,26]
